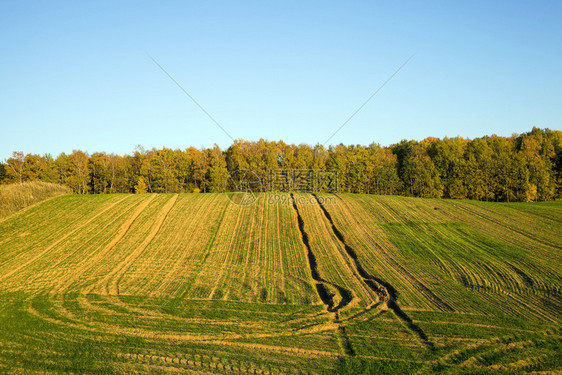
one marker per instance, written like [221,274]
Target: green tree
[479,170]
[556,140]
[200,168]
[420,175]
[51,172]
[62,164]
[358,169]
[336,162]
[526,167]
[183,171]
[100,172]
[141,166]
[163,171]
[382,171]
[271,155]
[218,173]
[122,179]
[235,156]
[2,172]
[510,179]
[448,157]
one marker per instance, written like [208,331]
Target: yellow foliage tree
[531,193]
[141,187]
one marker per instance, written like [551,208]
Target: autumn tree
[141,165]
[14,167]
[524,167]
[287,156]
[140,187]
[319,157]
[33,167]
[538,152]
[78,174]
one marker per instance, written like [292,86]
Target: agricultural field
[193,283]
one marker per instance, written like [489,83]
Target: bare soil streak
[62,238]
[112,280]
[90,262]
[386,292]
[181,259]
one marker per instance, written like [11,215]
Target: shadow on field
[325,295]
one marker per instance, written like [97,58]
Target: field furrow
[292,284]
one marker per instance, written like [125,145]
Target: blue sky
[76,75]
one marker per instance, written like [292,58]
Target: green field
[193,283]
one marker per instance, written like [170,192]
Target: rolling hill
[193,283]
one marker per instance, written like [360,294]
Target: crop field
[193,283]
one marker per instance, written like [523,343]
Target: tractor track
[386,292]
[322,289]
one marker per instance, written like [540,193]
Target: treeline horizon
[525,167]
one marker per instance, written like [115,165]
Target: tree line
[526,167]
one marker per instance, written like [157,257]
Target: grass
[15,197]
[118,284]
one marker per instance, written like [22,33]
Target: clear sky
[76,74]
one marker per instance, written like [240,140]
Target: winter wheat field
[194,283]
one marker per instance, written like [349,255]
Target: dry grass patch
[15,197]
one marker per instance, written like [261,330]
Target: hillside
[15,197]
[382,284]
